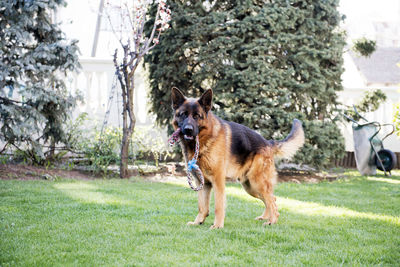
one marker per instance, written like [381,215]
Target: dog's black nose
[188,129]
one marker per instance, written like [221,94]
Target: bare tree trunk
[126,139]
[129,121]
[52,149]
[125,78]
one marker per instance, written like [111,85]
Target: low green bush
[102,147]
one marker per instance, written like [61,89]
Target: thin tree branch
[129,16]
[149,40]
[7,101]
[113,30]
[4,148]
[151,47]
[140,29]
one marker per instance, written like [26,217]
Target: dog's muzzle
[189,131]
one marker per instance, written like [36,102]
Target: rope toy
[192,168]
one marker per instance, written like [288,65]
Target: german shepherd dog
[228,149]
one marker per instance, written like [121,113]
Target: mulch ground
[28,172]
[306,177]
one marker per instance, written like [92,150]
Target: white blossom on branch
[135,44]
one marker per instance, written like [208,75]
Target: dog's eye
[182,114]
[196,116]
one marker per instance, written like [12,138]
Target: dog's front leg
[219,195]
[204,204]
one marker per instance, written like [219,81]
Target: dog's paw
[193,223]
[214,226]
[270,222]
[267,223]
[260,218]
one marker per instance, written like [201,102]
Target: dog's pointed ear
[206,100]
[177,98]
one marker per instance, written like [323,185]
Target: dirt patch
[305,176]
[167,172]
[28,172]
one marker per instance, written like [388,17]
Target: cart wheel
[388,160]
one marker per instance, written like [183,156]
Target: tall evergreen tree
[268,62]
[34,55]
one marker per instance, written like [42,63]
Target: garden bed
[164,172]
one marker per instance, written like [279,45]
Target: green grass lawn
[353,221]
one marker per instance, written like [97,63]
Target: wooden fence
[349,161]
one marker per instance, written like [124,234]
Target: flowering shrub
[134,46]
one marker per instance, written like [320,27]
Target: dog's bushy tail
[287,147]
